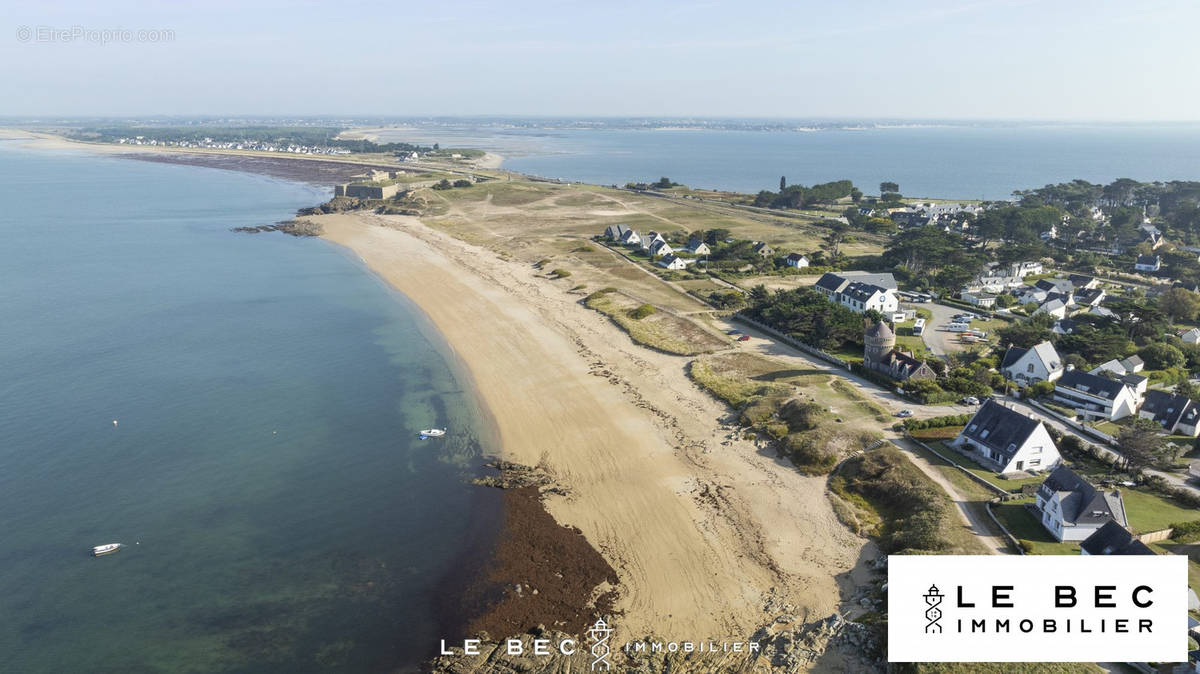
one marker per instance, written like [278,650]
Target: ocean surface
[278,511]
[976,161]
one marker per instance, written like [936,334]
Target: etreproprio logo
[1037,608]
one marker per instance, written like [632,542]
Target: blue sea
[279,513]
[951,161]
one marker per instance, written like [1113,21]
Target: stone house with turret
[881,355]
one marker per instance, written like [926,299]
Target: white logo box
[1106,623]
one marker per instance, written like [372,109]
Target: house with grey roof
[1113,539]
[1095,397]
[1056,308]
[1007,440]
[1148,263]
[796,260]
[1033,365]
[672,261]
[661,247]
[860,291]
[1072,509]
[1176,414]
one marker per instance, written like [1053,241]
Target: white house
[1007,440]
[979,299]
[1096,397]
[650,239]
[861,297]
[1176,414]
[616,232]
[1056,308]
[1023,269]
[671,261]
[1073,510]
[1190,336]
[661,247]
[1030,366]
[1148,263]
[698,247]
[631,238]
[796,260]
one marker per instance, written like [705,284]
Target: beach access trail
[701,526]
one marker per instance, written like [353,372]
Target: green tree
[1140,443]
[1180,304]
[782,183]
[1160,356]
[886,187]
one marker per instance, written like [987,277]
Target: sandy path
[699,527]
[966,513]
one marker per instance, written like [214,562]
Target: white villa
[860,292]
[1096,397]
[1030,366]
[1007,440]
[1073,510]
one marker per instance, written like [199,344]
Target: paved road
[937,338]
[970,515]
[1055,423]
[886,398]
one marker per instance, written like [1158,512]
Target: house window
[1035,462]
[984,434]
[1029,368]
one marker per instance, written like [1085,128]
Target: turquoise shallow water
[279,513]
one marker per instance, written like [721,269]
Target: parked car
[970,400]
[744,338]
[904,414]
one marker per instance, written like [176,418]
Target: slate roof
[1168,410]
[999,428]
[1114,539]
[1081,502]
[1058,285]
[880,330]
[862,292]
[1148,260]
[831,282]
[1066,325]
[1080,280]
[1089,296]
[1091,384]
[884,280]
[1011,356]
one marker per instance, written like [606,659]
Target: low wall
[1156,536]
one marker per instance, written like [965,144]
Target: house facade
[1096,397]
[1033,365]
[672,261]
[796,260]
[1176,414]
[1008,441]
[1148,263]
[860,292]
[1073,510]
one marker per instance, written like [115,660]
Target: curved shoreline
[686,530]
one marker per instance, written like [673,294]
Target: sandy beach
[703,530]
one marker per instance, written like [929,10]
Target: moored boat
[106,549]
[432,433]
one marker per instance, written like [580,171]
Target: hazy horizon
[992,60]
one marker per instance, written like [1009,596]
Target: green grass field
[983,472]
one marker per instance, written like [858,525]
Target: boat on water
[432,433]
[106,549]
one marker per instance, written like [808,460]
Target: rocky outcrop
[516,476]
[292,227]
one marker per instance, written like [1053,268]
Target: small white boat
[432,433]
[106,549]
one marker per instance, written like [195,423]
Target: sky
[961,59]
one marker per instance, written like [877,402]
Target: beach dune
[700,534]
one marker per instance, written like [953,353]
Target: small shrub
[642,311]
[463,183]
[581,286]
[560,273]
